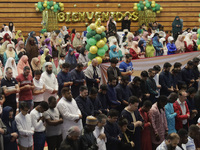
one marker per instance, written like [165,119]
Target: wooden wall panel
[25,18]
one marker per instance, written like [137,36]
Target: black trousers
[54,142]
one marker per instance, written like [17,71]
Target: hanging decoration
[49,11]
[147,11]
[96,41]
[198,35]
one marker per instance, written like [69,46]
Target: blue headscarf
[31,35]
[71,59]
[113,54]
[157,45]
[5,114]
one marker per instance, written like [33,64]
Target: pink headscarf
[22,63]
[145,33]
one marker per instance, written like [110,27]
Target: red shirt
[25,94]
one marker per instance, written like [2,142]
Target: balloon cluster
[144,5]
[40,6]
[96,41]
[198,38]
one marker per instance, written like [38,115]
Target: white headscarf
[8,31]
[114,40]
[188,40]
[14,67]
[170,38]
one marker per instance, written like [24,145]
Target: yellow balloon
[103,28]
[199,19]
[52,8]
[199,47]
[54,3]
[144,2]
[145,8]
[45,4]
[161,8]
[62,8]
[45,1]
[153,5]
[36,4]
[99,59]
[89,62]
[100,44]
[105,39]
[135,4]
[92,26]
[61,4]
[158,12]
[197,35]
[93,49]
[153,2]
[37,9]
[99,30]
[135,7]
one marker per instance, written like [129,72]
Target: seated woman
[171,46]
[138,50]
[113,52]
[77,42]
[20,47]
[189,44]
[22,63]
[83,57]
[150,50]
[157,45]
[124,49]
[11,63]
[180,45]
[163,41]
[130,40]
[10,53]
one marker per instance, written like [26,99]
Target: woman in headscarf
[112,30]
[19,39]
[113,52]
[48,45]
[10,137]
[157,45]
[11,63]
[42,59]
[137,49]
[177,26]
[6,37]
[31,49]
[171,46]
[71,59]
[6,30]
[144,38]
[114,42]
[180,44]
[3,49]
[163,41]
[35,64]
[10,53]
[55,49]
[126,23]
[150,50]
[32,34]
[22,63]
[67,44]
[19,35]
[73,34]
[20,47]
[44,36]
[124,49]
[189,44]
[141,45]
[130,40]
[83,57]
[77,42]
[63,32]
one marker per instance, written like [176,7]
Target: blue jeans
[39,140]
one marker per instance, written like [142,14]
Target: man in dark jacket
[165,80]
[87,139]
[136,88]
[195,72]
[151,85]
[71,141]
[113,70]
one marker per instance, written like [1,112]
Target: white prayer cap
[48,63]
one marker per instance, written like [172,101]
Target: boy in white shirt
[37,119]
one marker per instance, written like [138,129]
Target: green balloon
[198,31]
[142,7]
[141,2]
[92,41]
[93,33]
[154,9]
[59,8]
[55,10]
[88,35]
[89,29]
[101,52]
[91,56]
[39,6]
[105,47]
[48,3]
[138,5]
[139,9]
[51,3]
[97,37]
[199,37]
[55,6]
[103,35]
[147,5]
[87,47]
[48,7]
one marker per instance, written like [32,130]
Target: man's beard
[49,71]
[69,99]
[170,147]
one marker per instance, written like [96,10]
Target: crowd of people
[50,93]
